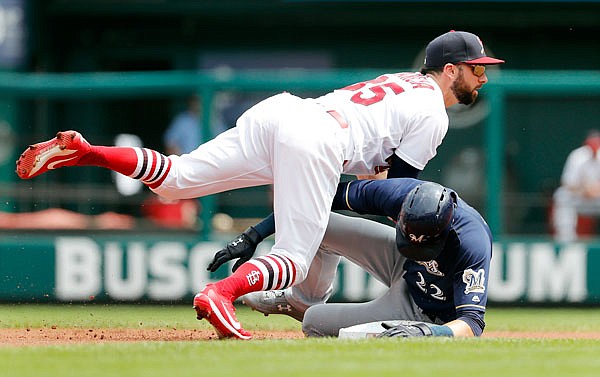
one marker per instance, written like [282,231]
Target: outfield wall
[81,267]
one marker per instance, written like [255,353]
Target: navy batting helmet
[424,221]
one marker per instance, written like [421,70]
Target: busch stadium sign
[118,268]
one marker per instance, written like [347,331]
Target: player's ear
[451,70]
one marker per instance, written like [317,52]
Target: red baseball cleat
[219,311]
[64,150]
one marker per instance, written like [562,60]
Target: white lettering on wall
[536,272]
[169,276]
[125,282]
[78,266]
[557,277]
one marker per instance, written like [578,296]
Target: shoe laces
[274,295]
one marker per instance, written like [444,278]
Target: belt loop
[338,118]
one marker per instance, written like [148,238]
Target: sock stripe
[269,274]
[152,161]
[294,272]
[151,165]
[275,271]
[159,170]
[288,277]
[278,271]
[292,267]
[142,170]
[291,271]
[154,184]
[154,168]
[138,168]
[279,265]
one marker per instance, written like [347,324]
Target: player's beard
[462,93]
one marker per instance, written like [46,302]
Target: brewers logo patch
[474,281]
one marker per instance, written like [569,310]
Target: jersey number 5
[372,94]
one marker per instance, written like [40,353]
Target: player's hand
[405,329]
[242,247]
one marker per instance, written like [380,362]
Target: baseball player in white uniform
[579,192]
[301,146]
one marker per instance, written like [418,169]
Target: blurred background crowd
[48,47]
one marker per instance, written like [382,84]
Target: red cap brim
[485,60]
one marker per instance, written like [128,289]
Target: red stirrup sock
[144,164]
[259,274]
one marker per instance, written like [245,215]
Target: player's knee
[167,193]
[309,327]
[315,325]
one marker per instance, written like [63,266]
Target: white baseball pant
[286,141]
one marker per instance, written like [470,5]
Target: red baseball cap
[457,47]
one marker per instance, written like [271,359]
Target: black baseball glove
[405,329]
[242,247]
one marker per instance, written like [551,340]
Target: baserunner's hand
[242,247]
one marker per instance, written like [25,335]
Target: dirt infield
[62,336]
[57,336]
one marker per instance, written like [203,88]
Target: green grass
[544,319]
[300,357]
[126,316]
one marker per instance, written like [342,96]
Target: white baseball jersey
[581,172]
[581,168]
[302,148]
[402,113]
